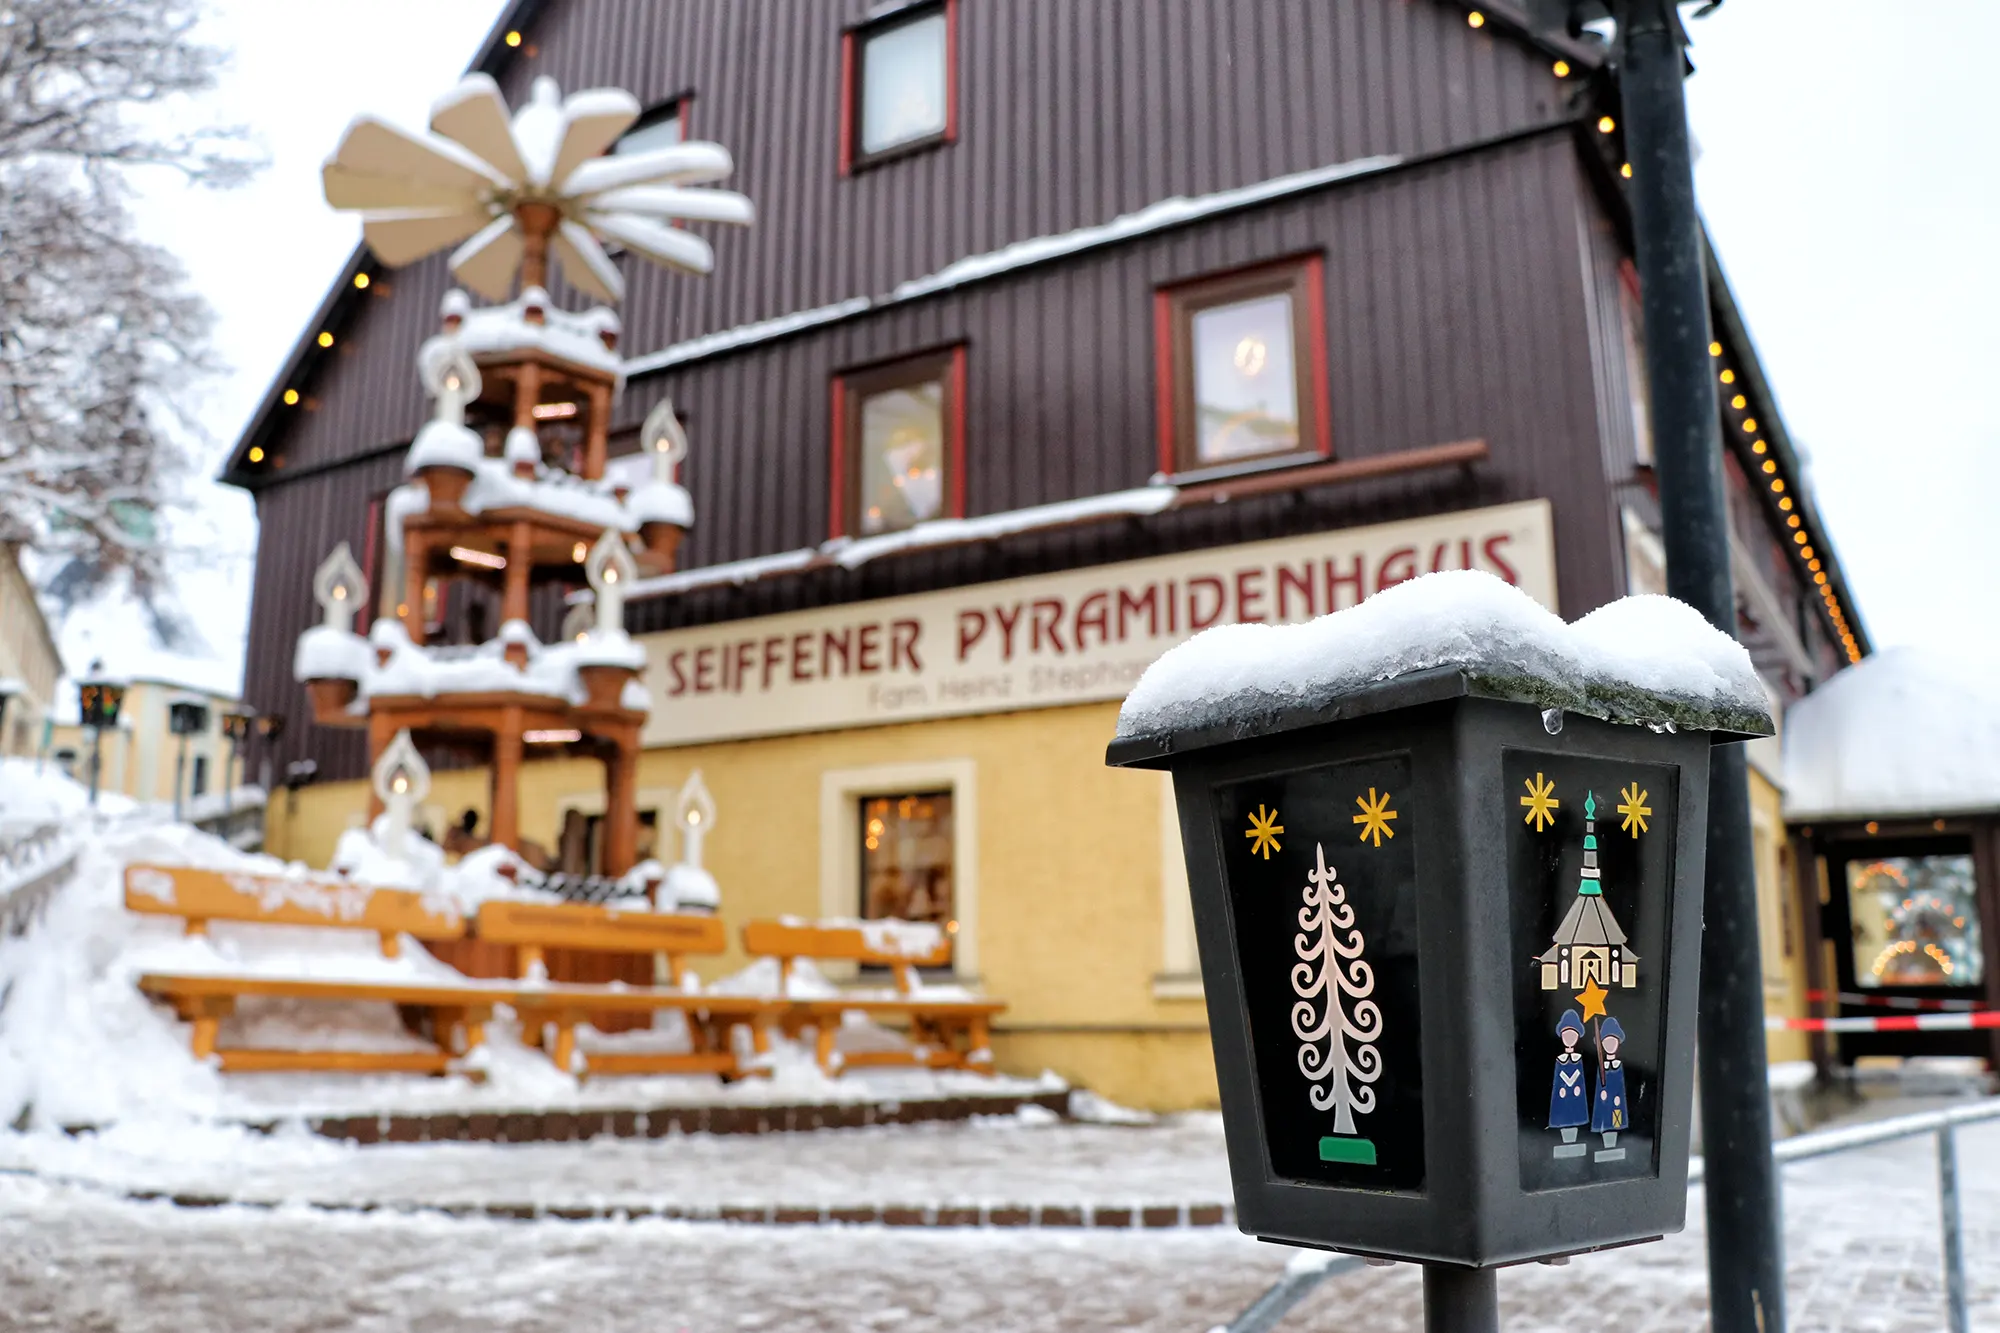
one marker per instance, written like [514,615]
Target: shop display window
[906,857]
[1915,921]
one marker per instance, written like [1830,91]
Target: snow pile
[1641,659]
[687,886]
[577,337]
[34,792]
[445,444]
[1908,731]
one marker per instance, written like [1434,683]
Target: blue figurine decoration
[1610,1112]
[1569,1091]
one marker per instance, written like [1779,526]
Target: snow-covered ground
[1861,1235]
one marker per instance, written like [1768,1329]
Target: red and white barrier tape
[1898,1001]
[1985,1018]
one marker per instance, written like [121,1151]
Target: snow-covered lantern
[446,452]
[1446,856]
[608,659]
[330,660]
[402,780]
[661,506]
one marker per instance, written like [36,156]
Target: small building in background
[142,757]
[1892,795]
[30,666]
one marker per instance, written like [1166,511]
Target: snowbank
[1641,659]
[79,1044]
[1908,731]
[34,792]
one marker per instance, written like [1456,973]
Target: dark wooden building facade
[1435,190]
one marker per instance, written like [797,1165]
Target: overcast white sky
[1848,172]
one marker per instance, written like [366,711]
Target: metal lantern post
[185,718]
[1745,1242]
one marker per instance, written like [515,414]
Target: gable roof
[492,57]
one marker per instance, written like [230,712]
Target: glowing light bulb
[1739,402]
[1475,19]
[1606,124]
[256,453]
[326,340]
[361,281]
[291,397]
[1729,377]
[513,39]
[1562,69]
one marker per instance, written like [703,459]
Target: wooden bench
[458,1013]
[945,1032]
[712,1020]
[327,901]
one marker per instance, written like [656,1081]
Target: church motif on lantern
[1589,945]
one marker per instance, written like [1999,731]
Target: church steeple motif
[1589,946]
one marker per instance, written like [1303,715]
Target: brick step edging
[547,1126]
[1123,1217]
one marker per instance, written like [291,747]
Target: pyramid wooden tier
[514,548]
[509,726]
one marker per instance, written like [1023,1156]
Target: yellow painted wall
[1780,932]
[1070,885]
[28,659]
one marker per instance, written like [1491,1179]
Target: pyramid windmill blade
[677,164]
[592,120]
[661,244]
[403,237]
[586,265]
[487,263]
[475,115]
[375,148]
[350,189]
[674,201]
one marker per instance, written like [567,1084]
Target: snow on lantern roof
[1641,659]
[1907,731]
[585,338]
[499,186]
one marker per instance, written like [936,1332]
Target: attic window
[660,127]
[898,84]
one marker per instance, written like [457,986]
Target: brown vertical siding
[1070,114]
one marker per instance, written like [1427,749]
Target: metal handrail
[1299,1281]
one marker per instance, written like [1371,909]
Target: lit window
[1915,919]
[900,444]
[1240,361]
[660,127]
[901,83]
[906,845]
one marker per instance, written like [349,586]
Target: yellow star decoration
[1541,803]
[1263,833]
[1592,997]
[1635,809]
[1374,817]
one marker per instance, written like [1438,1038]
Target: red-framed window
[899,84]
[898,444]
[1240,373]
[658,126]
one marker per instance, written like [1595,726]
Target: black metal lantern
[1449,938]
[187,717]
[236,724]
[98,699]
[270,725]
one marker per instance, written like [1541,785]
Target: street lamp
[98,698]
[269,727]
[1448,919]
[236,724]
[185,718]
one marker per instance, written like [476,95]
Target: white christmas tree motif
[1332,967]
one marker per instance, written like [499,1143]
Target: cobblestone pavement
[1862,1241]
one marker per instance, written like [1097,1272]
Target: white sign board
[1075,637]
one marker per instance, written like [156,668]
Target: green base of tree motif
[1361,1152]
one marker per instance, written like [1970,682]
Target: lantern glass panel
[1590,867]
[1325,917]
